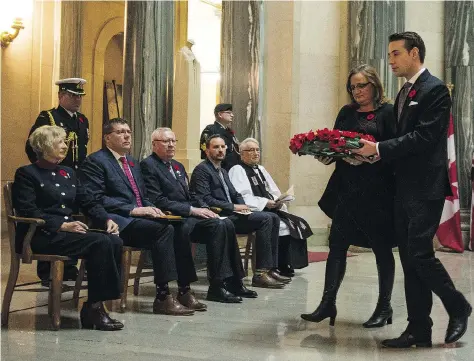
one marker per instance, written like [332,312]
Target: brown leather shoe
[169,306]
[191,302]
[276,275]
[265,281]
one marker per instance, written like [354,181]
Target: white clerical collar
[416,76]
[116,155]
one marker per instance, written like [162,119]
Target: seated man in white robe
[260,193]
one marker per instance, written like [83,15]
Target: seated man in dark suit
[114,178]
[211,183]
[167,188]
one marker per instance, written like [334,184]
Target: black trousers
[101,252]
[158,237]
[416,222]
[223,255]
[267,228]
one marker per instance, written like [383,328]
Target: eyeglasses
[251,150]
[228,112]
[121,132]
[358,86]
[166,141]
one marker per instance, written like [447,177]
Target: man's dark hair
[214,136]
[412,40]
[108,126]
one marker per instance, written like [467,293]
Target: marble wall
[459,70]
[240,52]
[71,39]
[148,70]
[370,24]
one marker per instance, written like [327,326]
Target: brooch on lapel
[81,119]
[370,116]
[64,173]
[176,169]
[131,163]
[412,93]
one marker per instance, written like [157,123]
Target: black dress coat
[232,155]
[359,199]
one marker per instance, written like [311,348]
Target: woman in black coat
[49,191]
[354,190]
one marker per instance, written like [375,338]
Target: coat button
[57,185]
[63,194]
[63,206]
[66,217]
[53,173]
[42,185]
[74,185]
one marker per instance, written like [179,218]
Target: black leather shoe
[220,294]
[98,318]
[457,325]
[237,288]
[407,340]
[286,271]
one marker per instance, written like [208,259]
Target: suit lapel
[114,162]
[415,87]
[166,172]
[213,171]
[181,180]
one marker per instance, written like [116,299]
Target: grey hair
[248,140]
[160,130]
[43,138]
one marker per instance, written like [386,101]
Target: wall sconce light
[6,37]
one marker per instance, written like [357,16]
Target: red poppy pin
[131,163]
[63,173]
[232,131]
[81,119]
[412,93]
[370,116]
[176,167]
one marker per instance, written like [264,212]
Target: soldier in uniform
[76,125]
[222,127]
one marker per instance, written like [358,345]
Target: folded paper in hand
[288,196]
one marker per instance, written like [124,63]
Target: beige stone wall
[427,19]
[305,68]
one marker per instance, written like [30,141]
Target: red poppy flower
[63,173]
[232,131]
[176,167]
[412,93]
[131,163]
[370,116]
[81,119]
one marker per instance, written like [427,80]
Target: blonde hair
[248,140]
[43,138]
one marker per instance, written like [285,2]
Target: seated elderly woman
[261,194]
[52,192]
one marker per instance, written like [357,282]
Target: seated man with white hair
[260,193]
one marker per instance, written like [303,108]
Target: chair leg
[247,255]
[78,284]
[138,273]
[7,297]
[57,272]
[254,254]
[126,260]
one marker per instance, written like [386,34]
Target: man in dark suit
[67,116]
[222,126]
[167,188]
[114,178]
[211,183]
[421,171]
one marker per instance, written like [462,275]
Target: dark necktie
[403,97]
[226,188]
[129,175]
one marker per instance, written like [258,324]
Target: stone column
[370,24]
[240,52]
[148,70]
[71,40]
[459,68]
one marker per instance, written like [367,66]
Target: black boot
[383,312]
[335,269]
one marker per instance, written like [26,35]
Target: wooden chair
[248,253]
[126,275]
[27,256]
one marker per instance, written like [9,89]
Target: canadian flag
[471,246]
[449,231]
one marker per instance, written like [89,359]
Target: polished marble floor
[265,329]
